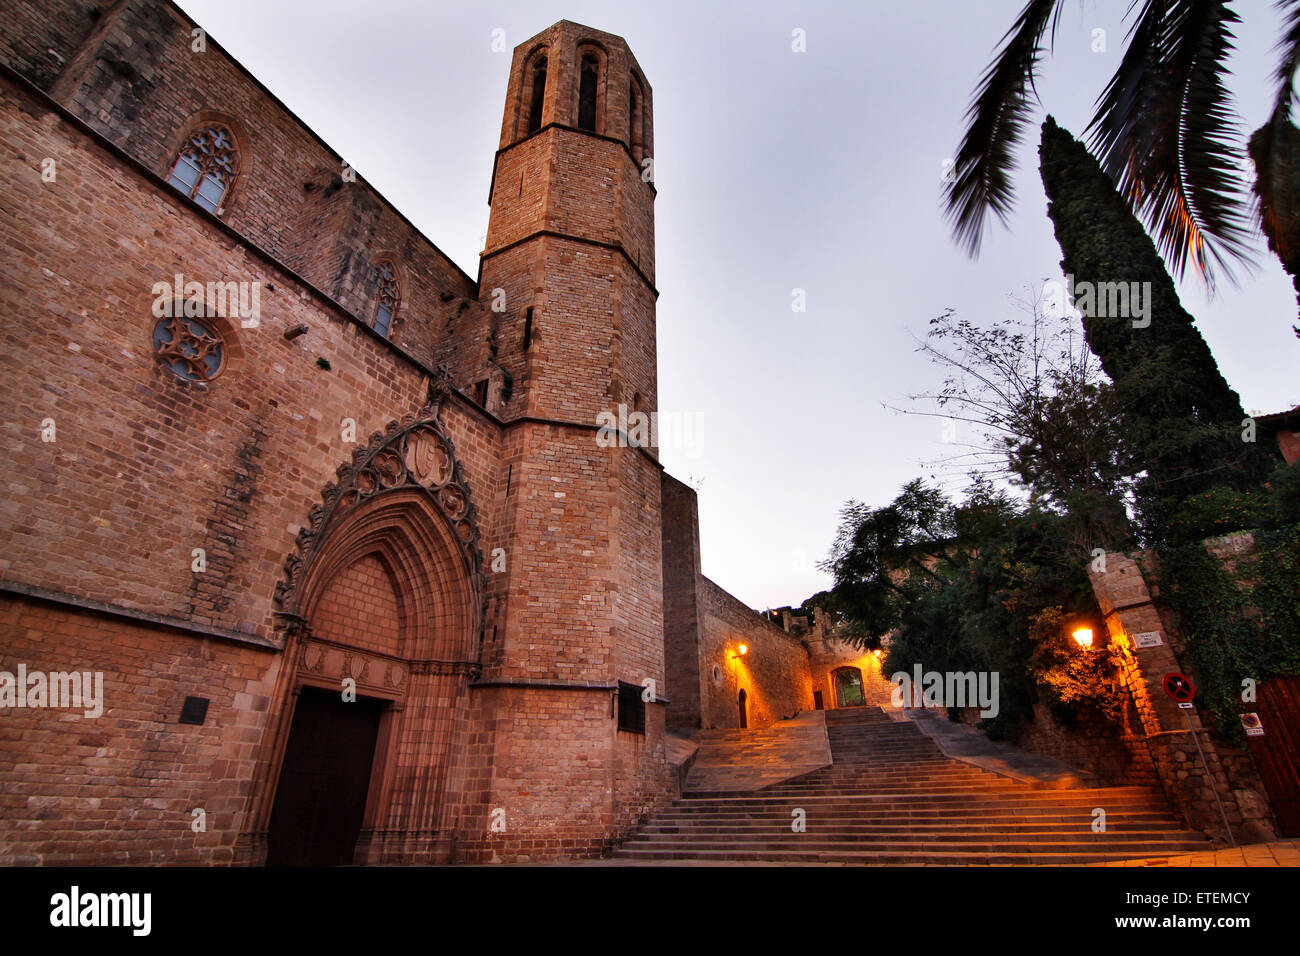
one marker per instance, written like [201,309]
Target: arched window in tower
[587,85]
[636,119]
[206,167]
[389,297]
[537,94]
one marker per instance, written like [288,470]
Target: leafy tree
[979,585]
[1046,417]
[883,559]
[1164,128]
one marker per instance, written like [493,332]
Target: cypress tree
[1181,418]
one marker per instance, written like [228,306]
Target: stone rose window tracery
[389,297]
[189,347]
[206,167]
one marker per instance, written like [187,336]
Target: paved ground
[1281,853]
[968,745]
[751,759]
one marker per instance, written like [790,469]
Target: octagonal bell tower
[569,265]
[571,236]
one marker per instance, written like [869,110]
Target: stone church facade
[330,519]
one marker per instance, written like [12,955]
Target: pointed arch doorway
[383,604]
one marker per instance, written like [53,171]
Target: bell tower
[569,261]
[571,235]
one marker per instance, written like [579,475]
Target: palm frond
[996,120]
[1130,113]
[1166,132]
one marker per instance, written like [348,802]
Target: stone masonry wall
[828,654]
[1120,758]
[683,615]
[147,467]
[122,787]
[136,79]
[1205,788]
[774,673]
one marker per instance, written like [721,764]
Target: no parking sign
[1180,688]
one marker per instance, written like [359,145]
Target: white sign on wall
[1148,639]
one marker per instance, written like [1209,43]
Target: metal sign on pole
[1180,688]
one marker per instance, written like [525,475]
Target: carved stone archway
[415,453]
[401,511]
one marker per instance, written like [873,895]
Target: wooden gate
[1277,752]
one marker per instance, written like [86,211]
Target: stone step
[876,810]
[800,843]
[875,783]
[1008,823]
[843,784]
[990,782]
[959,800]
[1130,823]
[871,814]
[1154,819]
[1113,793]
[887,858]
[854,782]
[910,767]
[848,835]
[891,796]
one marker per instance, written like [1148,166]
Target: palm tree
[1164,130]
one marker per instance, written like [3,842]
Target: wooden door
[324,781]
[1277,752]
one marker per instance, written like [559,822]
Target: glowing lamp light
[1083,637]
[743,649]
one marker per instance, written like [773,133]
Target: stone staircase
[892,797]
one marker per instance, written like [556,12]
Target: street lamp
[1083,637]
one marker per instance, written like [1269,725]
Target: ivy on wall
[1235,626]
